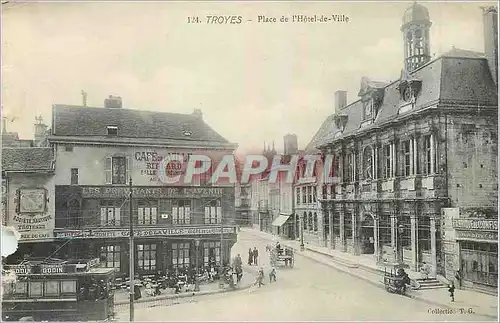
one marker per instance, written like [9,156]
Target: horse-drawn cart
[284,257]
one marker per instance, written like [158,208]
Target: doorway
[368,235]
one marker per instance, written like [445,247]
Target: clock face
[32,201]
[407,94]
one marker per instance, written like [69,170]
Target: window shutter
[117,216]
[108,170]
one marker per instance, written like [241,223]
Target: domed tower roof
[417,13]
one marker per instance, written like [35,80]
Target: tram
[58,290]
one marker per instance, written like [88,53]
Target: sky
[254,82]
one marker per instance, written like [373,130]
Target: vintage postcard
[249,161]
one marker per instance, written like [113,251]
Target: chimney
[197,113]
[490,24]
[291,145]
[113,102]
[40,131]
[340,100]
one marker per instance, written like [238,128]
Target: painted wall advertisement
[32,219]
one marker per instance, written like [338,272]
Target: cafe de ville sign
[151,192]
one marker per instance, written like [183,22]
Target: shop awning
[280,220]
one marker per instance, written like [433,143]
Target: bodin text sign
[151,192]
[141,232]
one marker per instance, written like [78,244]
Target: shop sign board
[151,192]
[475,224]
[477,236]
[139,233]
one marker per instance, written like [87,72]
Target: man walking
[272,275]
[255,255]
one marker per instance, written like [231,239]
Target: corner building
[97,151]
[418,162]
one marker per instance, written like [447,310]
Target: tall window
[180,255]
[309,194]
[146,257]
[315,222]
[74,176]
[406,235]
[429,155]
[110,256]
[298,195]
[368,162]
[211,253]
[310,221]
[479,262]
[314,194]
[304,195]
[147,212]
[116,170]
[407,158]
[351,170]
[388,161]
[213,212]
[181,211]
[110,213]
[424,234]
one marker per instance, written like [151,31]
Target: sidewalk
[365,269]
[122,296]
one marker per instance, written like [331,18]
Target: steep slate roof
[89,121]
[311,146]
[27,159]
[459,76]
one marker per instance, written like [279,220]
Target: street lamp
[400,243]
[196,283]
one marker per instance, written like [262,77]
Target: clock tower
[415,28]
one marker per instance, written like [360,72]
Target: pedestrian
[458,277]
[425,270]
[451,289]
[250,256]
[272,275]
[260,277]
[255,256]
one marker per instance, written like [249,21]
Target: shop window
[213,212]
[51,288]
[479,262]
[110,213]
[384,229]
[147,212]
[146,257]
[211,253]
[35,289]
[116,170]
[110,256]
[180,255]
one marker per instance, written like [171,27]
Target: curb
[375,283]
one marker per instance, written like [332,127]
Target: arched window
[368,162]
[310,224]
[74,214]
[315,222]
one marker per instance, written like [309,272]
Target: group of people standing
[253,256]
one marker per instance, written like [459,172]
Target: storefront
[478,243]
[174,226]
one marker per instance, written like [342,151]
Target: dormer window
[112,130]
[407,94]
[368,109]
